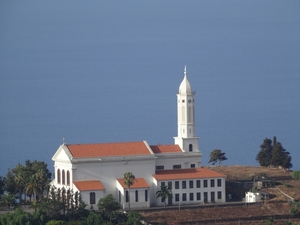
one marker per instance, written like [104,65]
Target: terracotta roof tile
[138,183]
[108,149]
[183,174]
[89,185]
[165,148]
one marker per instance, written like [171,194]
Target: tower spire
[186,138]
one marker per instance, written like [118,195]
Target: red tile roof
[89,185]
[165,148]
[183,174]
[108,149]
[138,183]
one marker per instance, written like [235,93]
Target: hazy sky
[107,71]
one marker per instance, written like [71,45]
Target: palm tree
[8,200]
[129,179]
[33,187]
[164,192]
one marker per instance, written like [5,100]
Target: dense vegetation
[273,154]
[296,174]
[29,185]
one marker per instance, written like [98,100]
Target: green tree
[8,200]
[264,156]
[17,217]
[32,188]
[18,177]
[108,203]
[217,155]
[94,218]
[134,218]
[129,179]
[273,154]
[164,193]
[280,157]
[2,185]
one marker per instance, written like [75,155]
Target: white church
[96,170]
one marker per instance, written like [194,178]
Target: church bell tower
[186,117]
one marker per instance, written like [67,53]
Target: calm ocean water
[109,72]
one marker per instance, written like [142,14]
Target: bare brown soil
[277,207]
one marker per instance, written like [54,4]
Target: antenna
[64,141]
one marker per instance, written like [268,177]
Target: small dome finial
[185,87]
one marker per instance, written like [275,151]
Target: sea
[109,71]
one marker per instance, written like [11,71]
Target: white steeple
[186,117]
[185,86]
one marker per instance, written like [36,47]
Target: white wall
[86,198]
[194,190]
[107,172]
[185,160]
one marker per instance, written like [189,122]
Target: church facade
[96,170]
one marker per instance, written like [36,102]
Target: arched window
[190,147]
[58,176]
[136,196]
[92,198]
[63,177]
[68,177]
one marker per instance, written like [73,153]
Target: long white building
[96,170]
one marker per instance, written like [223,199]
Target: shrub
[288,185]
[294,208]
[296,174]
[56,222]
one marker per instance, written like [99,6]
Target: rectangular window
[212,196]
[176,184]
[198,183]
[170,184]
[127,196]
[205,183]
[219,194]
[198,196]
[219,182]
[120,199]
[193,165]
[191,196]
[162,184]
[146,195]
[184,197]
[176,166]
[92,198]
[136,195]
[212,183]
[191,184]
[177,197]
[183,184]
[160,167]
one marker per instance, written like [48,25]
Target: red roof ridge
[189,173]
[138,183]
[109,149]
[168,148]
[88,185]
